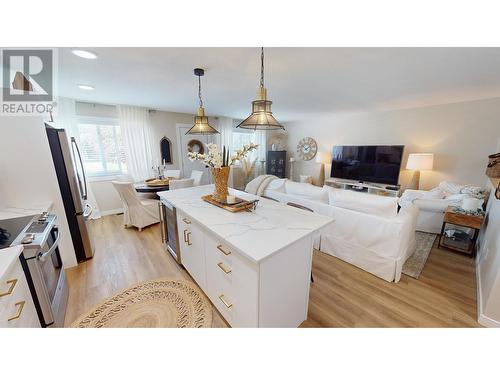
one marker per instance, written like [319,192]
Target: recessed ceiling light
[86,87]
[84,54]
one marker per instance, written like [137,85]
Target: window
[101,145]
[242,138]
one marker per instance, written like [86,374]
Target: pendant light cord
[199,91]
[262,67]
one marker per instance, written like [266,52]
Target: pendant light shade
[262,116]
[201,125]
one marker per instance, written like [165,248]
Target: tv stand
[364,187]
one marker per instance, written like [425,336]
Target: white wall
[461,135]
[488,262]
[163,125]
[27,174]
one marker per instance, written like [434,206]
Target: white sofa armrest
[409,195]
[433,205]
[407,216]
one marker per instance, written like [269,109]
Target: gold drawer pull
[222,267]
[185,237]
[228,305]
[225,252]
[12,283]
[20,307]
[188,238]
[187,221]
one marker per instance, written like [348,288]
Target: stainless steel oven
[44,270]
[168,228]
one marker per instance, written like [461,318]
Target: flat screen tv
[377,164]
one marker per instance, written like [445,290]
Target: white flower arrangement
[215,159]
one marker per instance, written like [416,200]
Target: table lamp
[323,158]
[419,162]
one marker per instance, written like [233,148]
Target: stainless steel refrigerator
[73,185]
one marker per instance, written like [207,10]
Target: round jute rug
[152,304]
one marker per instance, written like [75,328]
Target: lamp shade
[201,125]
[262,117]
[420,161]
[323,157]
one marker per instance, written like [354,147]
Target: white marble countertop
[8,257]
[9,212]
[257,234]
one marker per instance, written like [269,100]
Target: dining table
[144,187]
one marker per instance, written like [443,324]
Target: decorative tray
[157,182]
[240,205]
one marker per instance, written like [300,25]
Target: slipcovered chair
[137,212]
[433,203]
[197,176]
[180,184]
[175,173]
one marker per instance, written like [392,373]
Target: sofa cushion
[364,202]
[277,185]
[307,191]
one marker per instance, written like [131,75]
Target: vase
[220,177]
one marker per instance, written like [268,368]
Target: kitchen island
[254,266]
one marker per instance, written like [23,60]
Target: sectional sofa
[368,230]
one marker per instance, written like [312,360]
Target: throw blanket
[259,184]
[451,189]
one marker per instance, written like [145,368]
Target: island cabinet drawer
[192,251]
[9,280]
[232,283]
[18,309]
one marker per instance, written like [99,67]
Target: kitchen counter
[8,257]
[9,212]
[257,234]
[255,266]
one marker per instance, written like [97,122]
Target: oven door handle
[43,257]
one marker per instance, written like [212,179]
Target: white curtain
[261,140]
[137,139]
[65,118]
[225,138]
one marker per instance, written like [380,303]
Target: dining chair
[175,173]
[305,209]
[136,212]
[180,184]
[197,176]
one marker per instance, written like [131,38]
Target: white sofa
[368,231]
[433,203]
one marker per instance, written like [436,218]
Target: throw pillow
[306,179]
[307,191]
[277,185]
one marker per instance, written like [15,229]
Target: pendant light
[201,125]
[262,117]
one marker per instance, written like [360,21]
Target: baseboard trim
[112,212]
[481,318]
[488,322]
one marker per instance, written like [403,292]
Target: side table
[460,240]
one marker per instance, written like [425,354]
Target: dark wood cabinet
[276,163]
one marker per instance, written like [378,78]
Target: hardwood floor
[341,295]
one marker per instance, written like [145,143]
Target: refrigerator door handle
[88,211]
[83,170]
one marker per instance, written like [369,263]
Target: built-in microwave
[168,229]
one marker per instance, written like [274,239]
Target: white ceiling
[300,81]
